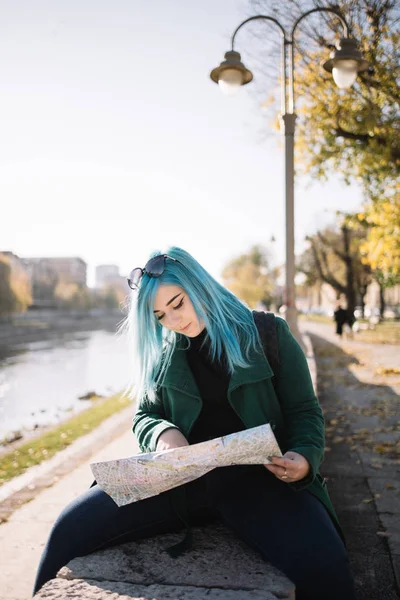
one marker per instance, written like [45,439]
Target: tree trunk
[363,292]
[362,304]
[348,260]
[382,304]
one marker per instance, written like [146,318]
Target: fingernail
[270,458]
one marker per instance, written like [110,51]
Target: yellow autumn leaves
[381,249]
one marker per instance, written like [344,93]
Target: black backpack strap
[266,326]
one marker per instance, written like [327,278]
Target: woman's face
[174,310]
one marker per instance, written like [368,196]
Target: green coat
[296,417]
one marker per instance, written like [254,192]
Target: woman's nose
[174,319]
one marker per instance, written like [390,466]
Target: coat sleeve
[303,418]
[149,423]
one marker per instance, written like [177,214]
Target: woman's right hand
[171,438]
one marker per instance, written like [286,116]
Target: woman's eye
[178,305]
[159,318]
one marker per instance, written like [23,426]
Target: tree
[64,294]
[250,277]
[381,249]
[334,258]
[7,297]
[72,296]
[353,132]
[15,287]
[43,288]
[110,298]
[384,282]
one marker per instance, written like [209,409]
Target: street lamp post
[345,62]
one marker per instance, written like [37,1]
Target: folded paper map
[131,479]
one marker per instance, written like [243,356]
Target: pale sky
[115,142]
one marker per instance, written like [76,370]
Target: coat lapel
[258,370]
[179,375]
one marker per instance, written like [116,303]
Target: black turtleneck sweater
[217,417]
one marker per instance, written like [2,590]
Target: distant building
[106,275]
[109,281]
[47,272]
[65,269]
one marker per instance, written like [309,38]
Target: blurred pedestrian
[340,317]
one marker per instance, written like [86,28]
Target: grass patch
[386,332]
[316,318]
[42,448]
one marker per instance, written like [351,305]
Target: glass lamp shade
[230,81]
[344,72]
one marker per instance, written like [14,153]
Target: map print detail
[131,479]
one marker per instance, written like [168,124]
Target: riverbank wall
[39,325]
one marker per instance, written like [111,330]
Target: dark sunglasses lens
[155,267]
[135,277]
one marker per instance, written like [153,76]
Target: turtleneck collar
[197,342]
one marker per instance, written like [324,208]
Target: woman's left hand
[290,467]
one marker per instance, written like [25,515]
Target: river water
[40,382]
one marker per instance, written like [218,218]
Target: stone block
[218,566]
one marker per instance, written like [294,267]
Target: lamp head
[231,73]
[345,62]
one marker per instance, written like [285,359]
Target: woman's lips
[186,328]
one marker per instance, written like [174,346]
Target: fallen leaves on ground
[379,433]
[387,371]
[386,448]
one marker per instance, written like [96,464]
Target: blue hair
[229,322]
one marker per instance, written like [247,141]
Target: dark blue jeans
[291,530]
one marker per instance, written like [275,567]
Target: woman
[201,373]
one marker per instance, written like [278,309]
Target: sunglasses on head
[153,268]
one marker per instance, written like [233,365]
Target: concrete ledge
[23,488]
[312,365]
[93,590]
[219,566]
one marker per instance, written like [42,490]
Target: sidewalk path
[23,536]
[362,464]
